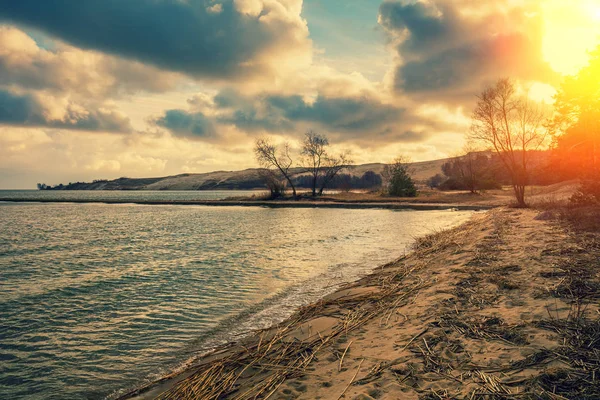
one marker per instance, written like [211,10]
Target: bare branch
[269,157]
[512,126]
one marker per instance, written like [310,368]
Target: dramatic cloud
[230,38]
[381,78]
[65,69]
[448,49]
[344,118]
[280,113]
[186,123]
[30,110]
[338,114]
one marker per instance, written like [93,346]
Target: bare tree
[513,126]
[314,151]
[333,165]
[321,166]
[270,157]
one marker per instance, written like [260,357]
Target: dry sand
[474,312]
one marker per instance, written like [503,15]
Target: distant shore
[484,310]
[269,203]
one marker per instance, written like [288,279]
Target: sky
[101,89]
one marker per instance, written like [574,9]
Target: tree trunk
[520,195]
[289,179]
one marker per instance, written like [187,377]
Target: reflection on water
[95,298]
[127,195]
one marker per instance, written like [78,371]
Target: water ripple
[96,298]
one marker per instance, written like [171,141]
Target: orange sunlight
[572,30]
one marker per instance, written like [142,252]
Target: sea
[97,299]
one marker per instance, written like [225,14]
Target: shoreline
[464,315]
[270,204]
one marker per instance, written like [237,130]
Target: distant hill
[230,180]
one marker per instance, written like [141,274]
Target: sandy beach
[498,307]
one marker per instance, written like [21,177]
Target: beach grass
[504,306]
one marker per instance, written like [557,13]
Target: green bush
[401,184]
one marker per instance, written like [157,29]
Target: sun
[572,29]
[592,8]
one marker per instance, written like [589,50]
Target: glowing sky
[108,88]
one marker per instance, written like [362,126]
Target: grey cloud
[451,68]
[17,109]
[449,57]
[425,26]
[69,70]
[346,117]
[280,113]
[185,123]
[345,114]
[251,120]
[26,110]
[177,35]
[411,136]
[107,77]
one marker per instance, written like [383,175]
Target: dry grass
[580,330]
[257,369]
[482,327]
[425,196]
[581,351]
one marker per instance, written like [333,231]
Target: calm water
[101,195]
[97,298]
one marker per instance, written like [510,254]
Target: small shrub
[397,177]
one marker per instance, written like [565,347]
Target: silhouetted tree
[512,126]
[321,166]
[270,157]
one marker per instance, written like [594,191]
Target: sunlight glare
[572,30]
[542,92]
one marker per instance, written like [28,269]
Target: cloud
[420,24]
[185,123]
[348,114]
[29,155]
[231,39]
[346,118]
[280,113]
[65,69]
[447,50]
[30,110]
